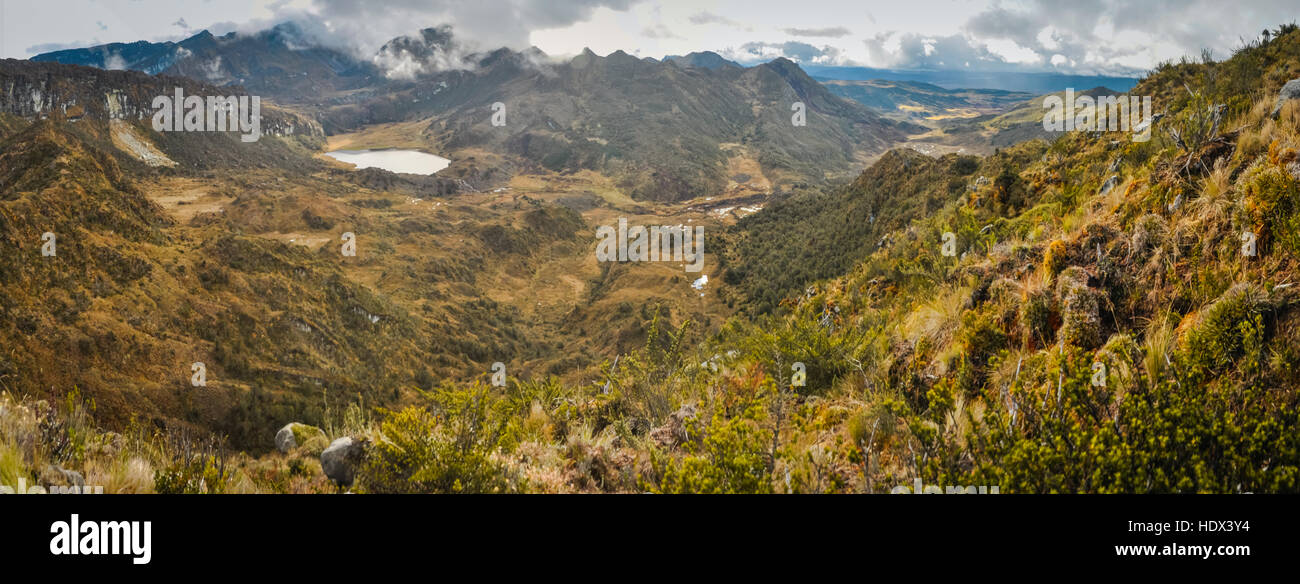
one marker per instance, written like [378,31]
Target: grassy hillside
[979,369]
[813,236]
[229,255]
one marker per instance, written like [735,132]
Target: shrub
[200,474]
[1229,330]
[729,456]
[1273,197]
[1036,316]
[191,465]
[1080,309]
[1054,259]
[981,337]
[1169,436]
[418,452]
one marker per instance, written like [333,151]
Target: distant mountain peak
[702,59]
[584,59]
[434,49]
[440,35]
[783,64]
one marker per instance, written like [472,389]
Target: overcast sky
[1084,36]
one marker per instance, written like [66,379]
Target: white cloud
[484,24]
[1100,36]
[793,50]
[832,31]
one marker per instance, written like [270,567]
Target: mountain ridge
[674,146]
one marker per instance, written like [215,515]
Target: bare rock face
[35,90]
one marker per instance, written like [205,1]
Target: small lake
[403,161]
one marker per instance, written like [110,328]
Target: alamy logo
[498,114]
[1248,245]
[23,489]
[659,243]
[920,489]
[1098,374]
[200,374]
[1115,113]
[498,374]
[211,114]
[349,248]
[102,538]
[949,247]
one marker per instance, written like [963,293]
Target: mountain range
[664,129]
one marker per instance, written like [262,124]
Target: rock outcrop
[342,459]
[1289,92]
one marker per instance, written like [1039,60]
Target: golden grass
[937,318]
[1158,343]
[395,135]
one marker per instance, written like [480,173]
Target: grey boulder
[341,460]
[294,435]
[1289,92]
[284,440]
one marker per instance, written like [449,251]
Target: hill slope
[1097,315]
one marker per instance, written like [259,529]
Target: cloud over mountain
[793,50]
[483,23]
[1076,36]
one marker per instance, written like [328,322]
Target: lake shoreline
[397,160]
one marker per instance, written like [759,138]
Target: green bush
[1228,331]
[1273,196]
[728,456]
[200,474]
[1171,434]
[451,452]
[1036,317]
